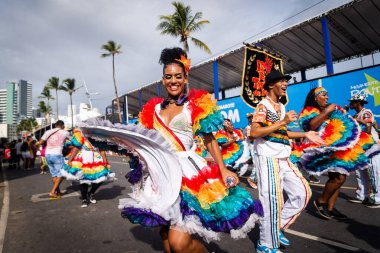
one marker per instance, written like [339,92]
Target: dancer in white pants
[275,176]
[275,171]
[368,191]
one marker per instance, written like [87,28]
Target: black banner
[257,65]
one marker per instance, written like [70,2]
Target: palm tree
[53,83]
[27,124]
[46,110]
[70,88]
[112,48]
[182,24]
[45,94]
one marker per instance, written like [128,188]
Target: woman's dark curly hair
[310,100]
[171,55]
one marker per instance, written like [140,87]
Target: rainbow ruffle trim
[204,196]
[95,172]
[234,151]
[205,114]
[146,115]
[345,148]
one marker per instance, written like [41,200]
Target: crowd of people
[19,154]
[186,161]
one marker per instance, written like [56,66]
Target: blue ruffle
[211,123]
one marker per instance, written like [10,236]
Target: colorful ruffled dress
[172,185]
[347,146]
[199,145]
[234,151]
[88,165]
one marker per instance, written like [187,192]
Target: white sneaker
[84,203]
[92,199]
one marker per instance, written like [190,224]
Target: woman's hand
[330,108]
[314,138]
[227,173]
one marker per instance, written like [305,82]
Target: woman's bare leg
[164,233]
[336,180]
[181,242]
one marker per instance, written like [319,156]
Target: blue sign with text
[340,88]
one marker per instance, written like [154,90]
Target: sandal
[53,196]
[251,183]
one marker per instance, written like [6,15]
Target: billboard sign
[340,88]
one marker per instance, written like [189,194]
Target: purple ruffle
[228,225]
[135,174]
[144,217]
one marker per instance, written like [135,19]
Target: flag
[257,65]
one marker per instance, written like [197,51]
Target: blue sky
[44,38]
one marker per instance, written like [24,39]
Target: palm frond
[112,47]
[69,85]
[201,45]
[182,24]
[53,83]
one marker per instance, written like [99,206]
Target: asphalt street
[33,223]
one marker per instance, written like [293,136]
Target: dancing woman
[87,165]
[234,151]
[343,152]
[173,187]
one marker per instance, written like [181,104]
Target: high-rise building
[15,104]
[24,97]
[3,105]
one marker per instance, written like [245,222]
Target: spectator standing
[26,153]
[18,153]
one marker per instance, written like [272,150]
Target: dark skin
[336,180]
[358,106]
[230,131]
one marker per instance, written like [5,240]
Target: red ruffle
[146,115]
[209,172]
[193,105]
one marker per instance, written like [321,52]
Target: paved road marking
[315,238]
[4,210]
[45,196]
[126,163]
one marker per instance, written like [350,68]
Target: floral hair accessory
[186,62]
[318,91]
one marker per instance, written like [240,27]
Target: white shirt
[56,138]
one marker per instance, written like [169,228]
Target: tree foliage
[27,124]
[183,24]
[112,49]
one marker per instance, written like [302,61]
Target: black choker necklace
[179,101]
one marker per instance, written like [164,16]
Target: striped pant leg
[270,195]
[363,180]
[253,175]
[374,176]
[297,190]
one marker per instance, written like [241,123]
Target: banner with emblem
[257,65]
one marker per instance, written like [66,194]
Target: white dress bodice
[181,125]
